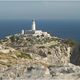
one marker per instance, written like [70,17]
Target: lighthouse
[34,31]
[33,25]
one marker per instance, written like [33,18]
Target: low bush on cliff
[70,42]
[23,55]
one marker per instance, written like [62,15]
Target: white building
[34,32]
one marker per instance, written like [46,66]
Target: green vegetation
[49,52]
[30,41]
[0,42]
[5,64]
[41,46]
[70,42]
[23,55]
[51,46]
[12,38]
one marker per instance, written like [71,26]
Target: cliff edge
[37,57]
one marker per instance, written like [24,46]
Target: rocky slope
[75,56]
[37,58]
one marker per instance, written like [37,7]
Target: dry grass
[10,59]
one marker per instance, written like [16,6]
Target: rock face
[58,54]
[36,71]
[75,56]
[37,58]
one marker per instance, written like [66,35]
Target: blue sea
[67,29]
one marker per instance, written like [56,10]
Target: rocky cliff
[75,56]
[37,58]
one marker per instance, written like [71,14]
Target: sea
[66,29]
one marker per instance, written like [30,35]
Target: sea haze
[62,28]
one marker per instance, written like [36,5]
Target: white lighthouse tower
[34,32]
[22,32]
[33,25]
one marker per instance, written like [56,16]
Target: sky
[39,0]
[40,9]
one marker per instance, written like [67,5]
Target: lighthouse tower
[33,25]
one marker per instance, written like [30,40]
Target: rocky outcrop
[57,54]
[37,71]
[5,49]
[38,58]
[75,55]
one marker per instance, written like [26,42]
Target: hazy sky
[40,9]
[39,0]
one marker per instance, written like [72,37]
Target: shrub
[23,55]
[70,42]
[52,46]
[49,52]
[41,46]
[12,38]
